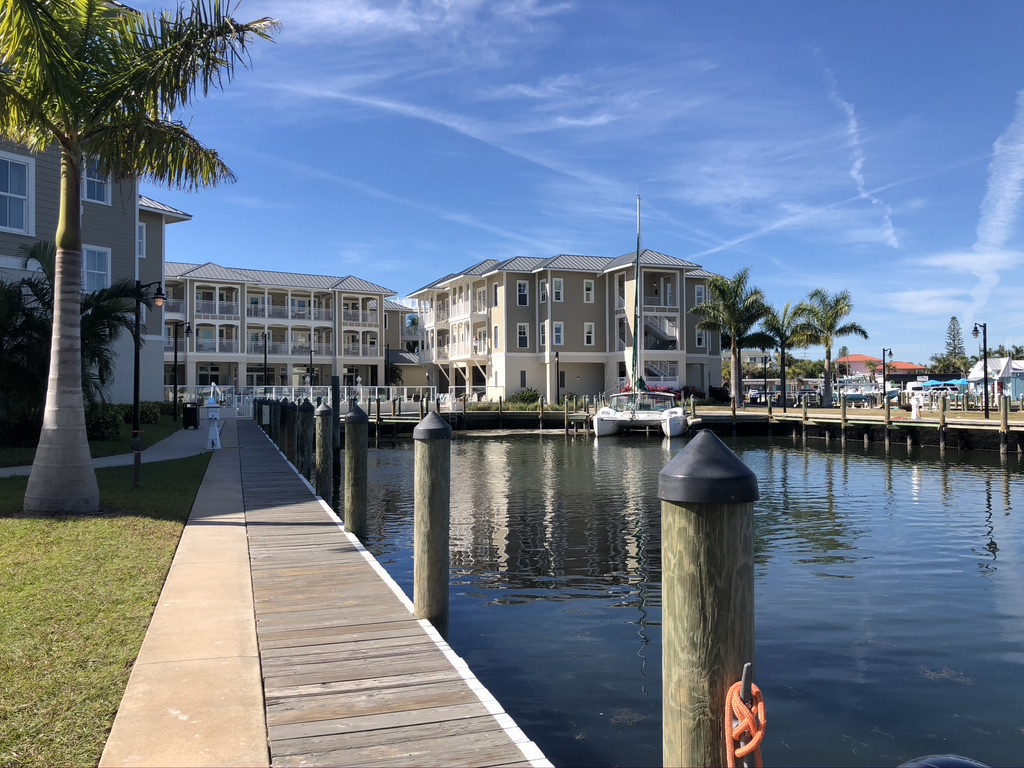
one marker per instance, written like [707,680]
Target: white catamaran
[638,408]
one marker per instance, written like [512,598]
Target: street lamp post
[158,301]
[984,358]
[266,378]
[884,393]
[174,373]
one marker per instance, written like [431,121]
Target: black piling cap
[432,427]
[306,406]
[707,472]
[322,409]
[356,415]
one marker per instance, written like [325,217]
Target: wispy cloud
[856,145]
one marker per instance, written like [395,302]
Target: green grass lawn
[151,433]
[76,597]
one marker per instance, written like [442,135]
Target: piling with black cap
[432,520]
[336,441]
[324,461]
[356,435]
[289,425]
[707,533]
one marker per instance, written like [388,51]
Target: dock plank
[350,676]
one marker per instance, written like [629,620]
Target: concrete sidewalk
[195,696]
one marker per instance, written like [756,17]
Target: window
[522,379]
[556,289]
[140,247]
[96,188]
[561,379]
[543,291]
[698,295]
[542,337]
[96,263]
[496,294]
[700,339]
[523,293]
[385,322]
[16,177]
[496,337]
[523,334]
[558,333]
[588,334]
[588,291]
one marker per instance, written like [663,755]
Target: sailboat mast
[638,334]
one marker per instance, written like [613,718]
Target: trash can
[190,415]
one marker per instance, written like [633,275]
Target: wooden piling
[1004,424]
[888,420]
[943,406]
[305,433]
[356,436]
[707,504]
[336,442]
[324,467]
[432,520]
[499,411]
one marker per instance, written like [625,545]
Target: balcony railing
[323,314]
[358,317]
[206,345]
[217,308]
[174,306]
[277,310]
[361,350]
[229,346]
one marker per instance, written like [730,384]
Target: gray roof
[700,273]
[154,206]
[519,264]
[649,258]
[401,357]
[571,263]
[211,271]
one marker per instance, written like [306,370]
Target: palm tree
[106,314]
[24,336]
[732,310]
[103,83]
[824,323]
[783,328]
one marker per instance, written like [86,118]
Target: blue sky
[872,146]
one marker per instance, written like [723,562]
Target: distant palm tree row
[743,317]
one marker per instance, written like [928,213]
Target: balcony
[174,306]
[360,350]
[279,311]
[229,346]
[323,315]
[359,317]
[209,310]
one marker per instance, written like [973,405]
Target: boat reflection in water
[889,593]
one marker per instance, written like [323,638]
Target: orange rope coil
[743,722]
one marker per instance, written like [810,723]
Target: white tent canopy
[999,368]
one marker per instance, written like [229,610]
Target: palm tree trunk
[63,480]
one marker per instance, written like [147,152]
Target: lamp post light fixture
[984,358]
[885,394]
[174,374]
[158,301]
[266,378]
[557,380]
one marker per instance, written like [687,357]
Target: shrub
[103,422]
[149,413]
[524,397]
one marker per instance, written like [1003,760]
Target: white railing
[174,306]
[227,345]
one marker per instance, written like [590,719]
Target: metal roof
[154,206]
[571,263]
[211,271]
[649,258]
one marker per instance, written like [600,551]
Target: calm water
[889,594]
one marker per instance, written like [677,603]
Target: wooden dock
[350,676]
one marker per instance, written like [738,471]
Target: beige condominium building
[123,237]
[566,325]
[252,328]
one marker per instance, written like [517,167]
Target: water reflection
[876,639]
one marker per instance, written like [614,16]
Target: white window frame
[92,250]
[522,293]
[28,201]
[140,246]
[588,291]
[557,289]
[522,334]
[496,337]
[700,339]
[89,176]
[543,292]
[699,295]
[589,332]
[542,335]
[496,287]
[558,333]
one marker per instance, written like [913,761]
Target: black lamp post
[387,365]
[266,378]
[158,301]
[984,358]
[310,370]
[174,373]
[557,380]
[884,393]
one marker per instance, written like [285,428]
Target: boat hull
[608,421]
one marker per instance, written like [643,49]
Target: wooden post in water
[803,420]
[842,421]
[1004,424]
[306,440]
[707,548]
[356,437]
[943,405]
[324,464]
[432,519]
[499,411]
[888,420]
[565,416]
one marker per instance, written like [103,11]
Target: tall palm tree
[824,322]
[103,82]
[733,309]
[784,330]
